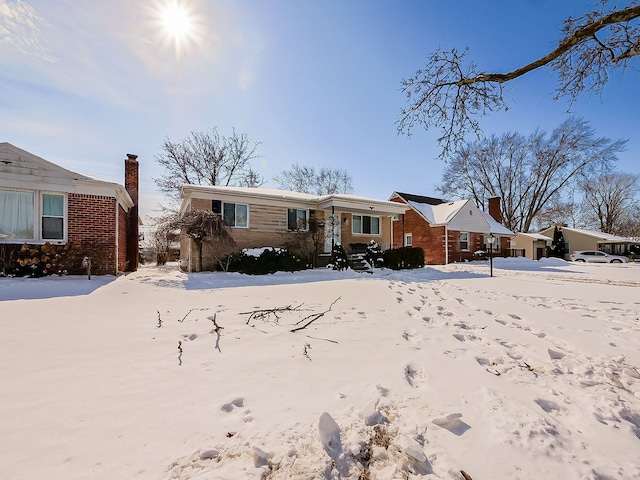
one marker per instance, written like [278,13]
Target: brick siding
[122,239]
[92,223]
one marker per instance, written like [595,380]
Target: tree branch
[313,318]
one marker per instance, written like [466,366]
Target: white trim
[307,219]
[65,217]
[460,241]
[38,196]
[272,197]
[446,245]
[235,206]
[362,233]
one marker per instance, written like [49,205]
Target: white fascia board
[364,205]
[230,197]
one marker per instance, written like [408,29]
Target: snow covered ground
[532,374]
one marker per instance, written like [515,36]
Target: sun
[176,21]
[180,25]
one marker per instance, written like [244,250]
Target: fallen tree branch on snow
[313,317]
[264,314]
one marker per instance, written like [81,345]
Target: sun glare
[175,20]
[180,25]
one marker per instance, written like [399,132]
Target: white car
[595,256]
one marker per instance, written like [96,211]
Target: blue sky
[316,82]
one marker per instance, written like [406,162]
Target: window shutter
[313,224]
[366,224]
[292,219]
[216,206]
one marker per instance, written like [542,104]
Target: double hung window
[365,224]
[297,219]
[464,241]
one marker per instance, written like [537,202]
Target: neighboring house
[579,239]
[449,231]
[261,217]
[41,202]
[532,245]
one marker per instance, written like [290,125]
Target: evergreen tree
[557,245]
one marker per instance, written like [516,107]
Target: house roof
[23,170]
[439,212]
[354,203]
[409,197]
[495,227]
[600,236]
[535,236]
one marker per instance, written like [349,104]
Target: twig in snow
[307,347]
[159,319]
[267,312]
[527,367]
[179,354]
[217,327]
[465,475]
[312,318]
[183,318]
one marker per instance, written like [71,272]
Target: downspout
[333,229]
[117,237]
[390,232]
[446,245]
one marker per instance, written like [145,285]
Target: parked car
[595,256]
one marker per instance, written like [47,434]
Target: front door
[332,231]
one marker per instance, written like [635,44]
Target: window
[408,240]
[52,216]
[464,240]
[32,216]
[17,214]
[297,219]
[236,214]
[364,224]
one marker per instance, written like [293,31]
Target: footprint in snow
[413,376]
[548,405]
[235,403]
[452,423]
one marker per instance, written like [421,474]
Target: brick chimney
[494,209]
[131,186]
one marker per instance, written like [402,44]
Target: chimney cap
[131,156]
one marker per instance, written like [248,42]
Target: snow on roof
[535,236]
[425,210]
[608,237]
[275,194]
[444,212]
[253,191]
[438,214]
[495,227]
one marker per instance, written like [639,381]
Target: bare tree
[202,226]
[630,227]
[450,93]
[563,208]
[610,199]
[324,181]
[207,158]
[527,172]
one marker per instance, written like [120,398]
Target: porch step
[358,263]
